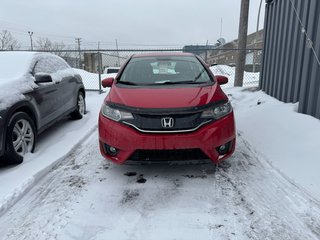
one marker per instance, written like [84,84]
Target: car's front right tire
[20,138]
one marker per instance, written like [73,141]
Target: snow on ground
[51,148]
[287,139]
[86,197]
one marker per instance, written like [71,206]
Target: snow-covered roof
[13,65]
[15,77]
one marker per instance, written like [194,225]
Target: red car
[166,107]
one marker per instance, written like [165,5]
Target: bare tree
[45,44]
[7,41]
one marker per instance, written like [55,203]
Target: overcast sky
[131,22]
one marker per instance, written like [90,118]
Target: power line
[22,29]
[309,41]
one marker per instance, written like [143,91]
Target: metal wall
[291,66]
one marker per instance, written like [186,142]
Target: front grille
[168,155]
[181,122]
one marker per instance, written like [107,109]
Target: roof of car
[157,54]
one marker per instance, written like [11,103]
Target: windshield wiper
[127,83]
[168,82]
[199,75]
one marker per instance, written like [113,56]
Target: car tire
[81,107]
[20,138]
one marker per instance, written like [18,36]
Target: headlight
[218,111]
[115,114]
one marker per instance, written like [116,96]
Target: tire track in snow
[45,209]
[277,208]
[86,197]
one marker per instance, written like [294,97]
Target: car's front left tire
[20,138]
[81,107]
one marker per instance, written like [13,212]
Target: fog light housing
[223,149]
[110,150]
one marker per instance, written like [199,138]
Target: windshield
[164,70]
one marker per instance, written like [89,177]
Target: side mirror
[42,78]
[221,79]
[107,82]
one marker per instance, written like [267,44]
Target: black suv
[36,90]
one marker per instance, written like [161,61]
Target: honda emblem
[167,122]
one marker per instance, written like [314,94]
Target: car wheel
[21,138]
[81,107]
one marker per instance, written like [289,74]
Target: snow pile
[287,139]
[250,79]
[91,80]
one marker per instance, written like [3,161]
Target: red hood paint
[165,97]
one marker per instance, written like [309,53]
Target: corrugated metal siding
[290,69]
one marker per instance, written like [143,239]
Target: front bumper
[127,140]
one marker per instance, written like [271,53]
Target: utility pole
[242,43]
[206,53]
[118,53]
[99,67]
[256,40]
[30,35]
[78,40]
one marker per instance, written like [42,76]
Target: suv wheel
[81,107]
[21,138]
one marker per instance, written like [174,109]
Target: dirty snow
[51,148]
[86,197]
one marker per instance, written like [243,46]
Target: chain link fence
[223,62]
[94,65]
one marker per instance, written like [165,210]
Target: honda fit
[166,107]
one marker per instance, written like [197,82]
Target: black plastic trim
[168,131]
[164,111]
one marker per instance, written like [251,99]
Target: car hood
[165,97]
